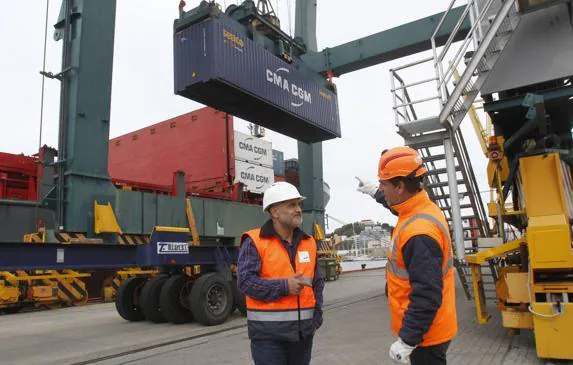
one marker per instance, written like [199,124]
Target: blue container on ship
[279,163]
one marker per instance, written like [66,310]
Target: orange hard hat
[400,161]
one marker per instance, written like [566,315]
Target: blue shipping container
[291,164]
[215,64]
[279,163]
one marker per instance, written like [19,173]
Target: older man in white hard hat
[277,272]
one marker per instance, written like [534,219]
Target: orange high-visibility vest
[420,216]
[276,264]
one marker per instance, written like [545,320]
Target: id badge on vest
[303,257]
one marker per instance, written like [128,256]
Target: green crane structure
[86,28]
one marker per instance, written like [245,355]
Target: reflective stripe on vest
[279,316]
[392,265]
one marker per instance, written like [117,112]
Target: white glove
[400,352]
[367,188]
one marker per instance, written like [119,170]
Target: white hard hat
[280,192]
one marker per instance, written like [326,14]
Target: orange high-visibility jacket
[420,216]
[289,310]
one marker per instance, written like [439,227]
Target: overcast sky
[142,91]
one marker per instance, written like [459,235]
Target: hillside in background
[347,230]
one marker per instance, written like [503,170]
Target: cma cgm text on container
[253,162]
[255,177]
[253,150]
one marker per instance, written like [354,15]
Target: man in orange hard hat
[419,271]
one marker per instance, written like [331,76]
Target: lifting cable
[276,9]
[289,18]
[43,73]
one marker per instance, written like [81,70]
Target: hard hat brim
[300,198]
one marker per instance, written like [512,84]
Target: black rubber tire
[127,299]
[173,299]
[239,299]
[149,300]
[12,310]
[206,287]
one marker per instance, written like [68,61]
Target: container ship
[215,160]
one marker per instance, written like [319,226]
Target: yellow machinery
[55,288]
[535,266]
[48,289]
[52,288]
[327,255]
[112,283]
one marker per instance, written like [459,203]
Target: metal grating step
[427,140]
[434,158]
[418,126]
[440,171]
[443,184]
[464,217]
[463,206]
[447,196]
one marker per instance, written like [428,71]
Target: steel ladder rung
[463,206]
[441,171]
[464,217]
[434,158]
[447,196]
[443,184]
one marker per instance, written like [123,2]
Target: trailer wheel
[12,310]
[127,299]
[211,299]
[239,298]
[173,299]
[150,299]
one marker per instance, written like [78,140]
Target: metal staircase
[429,122]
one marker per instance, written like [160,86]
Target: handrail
[425,152]
[465,43]
[416,83]
[445,77]
[398,86]
[414,63]
[407,97]
[418,101]
[479,208]
[457,27]
[443,18]
[444,74]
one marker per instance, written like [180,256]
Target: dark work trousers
[431,355]
[268,352]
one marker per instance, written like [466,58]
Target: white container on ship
[255,177]
[253,150]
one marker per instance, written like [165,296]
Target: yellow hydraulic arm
[482,133]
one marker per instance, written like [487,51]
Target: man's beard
[291,222]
